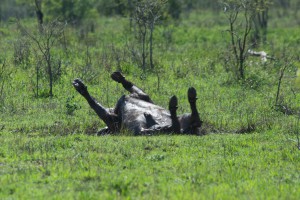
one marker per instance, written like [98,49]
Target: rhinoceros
[136,112]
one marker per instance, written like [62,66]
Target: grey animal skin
[137,112]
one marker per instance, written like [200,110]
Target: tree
[260,21]
[175,8]
[39,13]
[43,43]
[140,19]
[146,15]
[5,73]
[72,11]
[240,15]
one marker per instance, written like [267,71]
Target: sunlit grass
[225,166]
[50,152]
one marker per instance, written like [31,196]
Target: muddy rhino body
[137,112]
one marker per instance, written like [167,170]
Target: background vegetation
[48,147]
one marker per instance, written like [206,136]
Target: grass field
[48,147]
[225,166]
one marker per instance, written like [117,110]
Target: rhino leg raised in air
[130,87]
[196,122]
[110,119]
[173,105]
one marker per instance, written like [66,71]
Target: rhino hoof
[173,103]
[192,94]
[79,86]
[118,77]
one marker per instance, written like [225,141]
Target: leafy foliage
[48,148]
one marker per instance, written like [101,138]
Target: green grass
[226,166]
[258,166]
[48,153]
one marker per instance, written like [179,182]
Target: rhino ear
[150,121]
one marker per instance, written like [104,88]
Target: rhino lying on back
[137,112]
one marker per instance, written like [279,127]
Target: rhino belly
[133,114]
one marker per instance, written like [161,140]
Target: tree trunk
[241,69]
[151,45]
[264,25]
[37,79]
[130,8]
[49,67]
[144,32]
[39,14]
